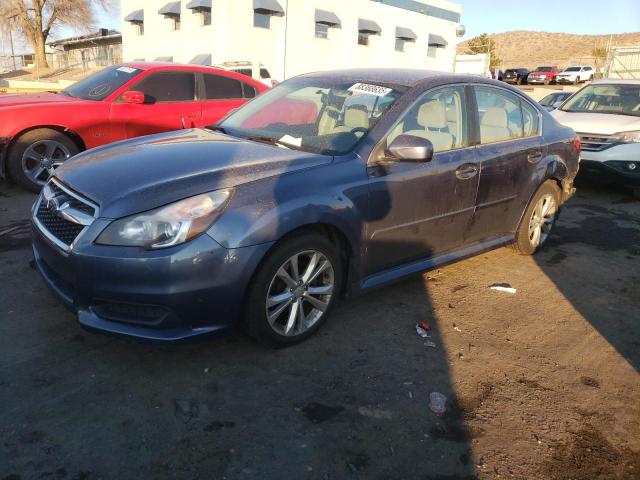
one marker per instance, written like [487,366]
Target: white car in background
[575,74]
[257,72]
[606,115]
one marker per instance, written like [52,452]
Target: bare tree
[35,19]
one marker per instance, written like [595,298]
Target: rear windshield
[102,84]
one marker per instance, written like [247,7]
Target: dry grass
[530,49]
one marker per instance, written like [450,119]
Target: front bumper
[539,80]
[565,80]
[613,170]
[166,295]
[613,163]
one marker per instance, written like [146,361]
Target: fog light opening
[631,166]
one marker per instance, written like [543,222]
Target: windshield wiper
[270,141]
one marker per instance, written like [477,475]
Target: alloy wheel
[300,293]
[41,158]
[542,220]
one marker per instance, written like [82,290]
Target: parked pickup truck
[546,75]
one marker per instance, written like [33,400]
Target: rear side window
[244,71]
[500,115]
[163,87]
[218,87]
[531,119]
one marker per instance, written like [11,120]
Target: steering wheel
[362,130]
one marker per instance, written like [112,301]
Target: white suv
[606,115]
[250,70]
[575,74]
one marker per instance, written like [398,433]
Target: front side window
[439,116]
[218,87]
[100,85]
[613,98]
[322,30]
[264,73]
[500,115]
[261,20]
[328,117]
[165,87]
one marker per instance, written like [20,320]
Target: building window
[175,23]
[432,51]
[261,20]
[363,38]
[322,30]
[205,17]
[400,44]
[140,29]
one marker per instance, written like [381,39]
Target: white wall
[290,47]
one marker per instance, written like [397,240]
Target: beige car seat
[494,125]
[433,118]
[355,116]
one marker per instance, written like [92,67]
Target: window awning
[202,59]
[405,34]
[270,7]
[199,5]
[437,41]
[327,18]
[163,59]
[368,26]
[171,9]
[137,16]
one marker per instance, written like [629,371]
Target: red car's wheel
[35,155]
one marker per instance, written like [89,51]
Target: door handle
[534,157]
[466,171]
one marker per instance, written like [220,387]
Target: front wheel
[538,220]
[34,156]
[293,291]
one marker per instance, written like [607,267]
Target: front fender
[267,210]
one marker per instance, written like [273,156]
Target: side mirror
[133,97]
[412,149]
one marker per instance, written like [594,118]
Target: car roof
[398,76]
[616,81]
[170,65]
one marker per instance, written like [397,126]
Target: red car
[545,75]
[40,131]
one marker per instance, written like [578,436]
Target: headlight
[167,226]
[629,137]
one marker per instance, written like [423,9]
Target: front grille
[596,143]
[52,223]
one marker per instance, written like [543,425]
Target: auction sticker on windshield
[369,89]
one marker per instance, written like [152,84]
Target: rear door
[509,151]
[221,94]
[170,104]
[422,209]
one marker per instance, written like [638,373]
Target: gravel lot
[542,384]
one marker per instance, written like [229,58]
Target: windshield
[572,69]
[314,115]
[544,69]
[100,85]
[614,98]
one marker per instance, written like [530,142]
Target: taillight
[577,144]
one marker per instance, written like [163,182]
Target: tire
[591,78]
[576,81]
[525,241]
[22,164]
[268,283]
[519,81]
[547,81]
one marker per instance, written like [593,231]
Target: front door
[170,104]
[422,209]
[509,152]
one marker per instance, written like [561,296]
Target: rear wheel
[293,291]
[538,220]
[519,81]
[34,156]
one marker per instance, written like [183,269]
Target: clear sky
[568,16]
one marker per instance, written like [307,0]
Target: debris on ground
[374,412]
[423,329]
[456,328]
[430,344]
[437,402]
[503,287]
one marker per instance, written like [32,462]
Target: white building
[291,37]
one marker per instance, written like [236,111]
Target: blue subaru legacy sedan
[331,183]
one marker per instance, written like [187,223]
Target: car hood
[602,123]
[137,175]
[34,99]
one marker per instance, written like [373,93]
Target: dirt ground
[541,384]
